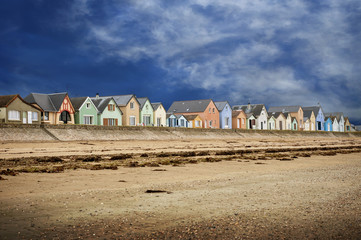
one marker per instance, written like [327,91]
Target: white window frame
[14,115]
[91,117]
[35,116]
[197,123]
[131,105]
[130,121]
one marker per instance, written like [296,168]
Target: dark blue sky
[273,52]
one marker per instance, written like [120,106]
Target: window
[182,123]
[213,110]
[210,123]
[132,105]
[132,120]
[14,115]
[88,120]
[226,121]
[46,116]
[197,124]
[111,107]
[112,122]
[88,105]
[34,116]
[242,120]
[209,110]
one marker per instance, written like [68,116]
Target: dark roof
[191,117]
[123,100]
[276,114]
[189,106]
[6,100]
[338,115]
[101,102]
[293,119]
[220,105]
[178,116]
[47,102]
[235,113]
[308,113]
[142,102]
[78,102]
[315,109]
[284,109]
[254,109]
[156,105]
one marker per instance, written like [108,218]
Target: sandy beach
[200,189]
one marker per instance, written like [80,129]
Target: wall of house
[2,114]
[312,123]
[91,111]
[288,123]
[160,113]
[283,122]
[211,114]
[18,105]
[117,114]
[320,118]
[262,118]
[271,124]
[294,125]
[341,124]
[299,117]
[146,111]
[225,113]
[127,112]
[335,126]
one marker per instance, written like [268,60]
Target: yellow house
[195,121]
[160,115]
[129,106]
[309,120]
[56,107]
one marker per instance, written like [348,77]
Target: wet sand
[238,197]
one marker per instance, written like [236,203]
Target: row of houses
[128,110]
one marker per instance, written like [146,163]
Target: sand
[302,197]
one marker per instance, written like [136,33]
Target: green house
[294,124]
[146,112]
[109,114]
[85,111]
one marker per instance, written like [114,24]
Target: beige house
[309,120]
[13,109]
[130,107]
[160,115]
[294,111]
[280,120]
[239,119]
[347,125]
[56,107]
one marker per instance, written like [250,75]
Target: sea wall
[12,132]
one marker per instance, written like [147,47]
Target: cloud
[283,52]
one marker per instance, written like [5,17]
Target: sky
[277,53]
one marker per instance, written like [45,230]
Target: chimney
[249,106]
[97,96]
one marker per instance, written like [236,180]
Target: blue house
[328,124]
[171,120]
[319,115]
[225,114]
[181,121]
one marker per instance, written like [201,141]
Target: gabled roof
[47,102]
[178,116]
[276,114]
[191,117]
[315,109]
[78,102]
[284,109]
[102,102]
[123,100]
[156,105]
[254,109]
[221,105]
[192,106]
[142,102]
[338,115]
[235,113]
[293,119]
[308,113]
[6,100]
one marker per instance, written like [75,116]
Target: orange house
[206,109]
[239,119]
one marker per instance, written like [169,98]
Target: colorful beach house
[280,120]
[225,114]
[181,121]
[159,114]
[319,116]
[109,114]
[56,107]
[257,115]
[294,111]
[347,125]
[14,109]
[294,124]
[85,111]
[271,122]
[194,121]
[146,112]
[239,119]
[171,120]
[328,124]
[129,106]
[340,120]
[309,120]
[206,109]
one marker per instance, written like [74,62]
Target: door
[238,123]
[158,122]
[30,117]
[270,126]
[261,125]
[318,125]
[280,125]
[24,117]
